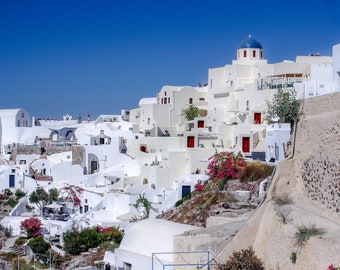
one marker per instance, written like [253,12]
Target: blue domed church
[250,49]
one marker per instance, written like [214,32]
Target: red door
[246,144]
[143,148]
[200,123]
[257,118]
[191,142]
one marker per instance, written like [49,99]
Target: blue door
[12,181]
[186,190]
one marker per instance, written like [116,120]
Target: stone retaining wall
[30,150]
[321,177]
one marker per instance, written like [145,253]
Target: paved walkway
[9,243]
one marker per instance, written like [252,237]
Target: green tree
[53,195]
[40,197]
[191,112]
[283,106]
[143,205]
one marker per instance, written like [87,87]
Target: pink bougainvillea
[76,201]
[32,226]
[331,267]
[71,194]
[200,186]
[225,165]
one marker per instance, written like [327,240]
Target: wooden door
[191,142]
[246,144]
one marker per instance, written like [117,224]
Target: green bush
[8,231]
[221,184]
[76,241]
[7,192]
[305,232]
[293,257]
[19,194]
[181,201]
[40,248]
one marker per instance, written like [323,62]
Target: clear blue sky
[100,56]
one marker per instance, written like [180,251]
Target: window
[257,118]
[148,120]
[143,148]
[190,100]
[22,162]
[22,115]
[168,100]
[85,200]
[254,53]
[164,93]
[244,53]
[127,266]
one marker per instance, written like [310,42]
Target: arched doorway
[93,163]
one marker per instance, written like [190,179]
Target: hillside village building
[153,149]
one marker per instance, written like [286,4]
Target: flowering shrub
[331,267]
[76,201]
[32,226]
[200,186]
[224,166]
[76,241]
[71,194]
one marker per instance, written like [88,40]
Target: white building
[146,237]
[12,124]
[163,115]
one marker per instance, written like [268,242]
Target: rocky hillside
[309,182]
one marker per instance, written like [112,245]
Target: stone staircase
[20,251]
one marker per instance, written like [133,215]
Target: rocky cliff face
[311,179]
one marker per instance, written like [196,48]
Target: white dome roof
[152,235]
